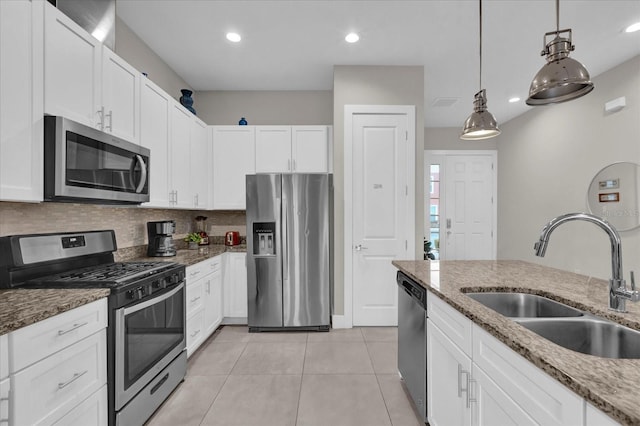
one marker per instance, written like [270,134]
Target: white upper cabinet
[21,101]
[120,97]
[72,58]
[199,166]
[180,148]
[233,159]
[273,149]
[292,149]
[154,134]
[87,82]
[310,149]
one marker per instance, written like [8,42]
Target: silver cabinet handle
[194,273]
[69,330]
[359,247]
[294,165]
[110,115]
[195,299]
[466,389]
[195,333]
[75,377]
[289,165]
[100,113]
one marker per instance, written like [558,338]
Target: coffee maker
[160,239]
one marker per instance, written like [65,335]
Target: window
[434,209]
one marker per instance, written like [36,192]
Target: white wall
[448,138]
[265,107]
[547,158]
[133,50]
[372,85]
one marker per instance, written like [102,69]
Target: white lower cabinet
[595,417]
[5,388]
[448,370]
[60,380]
[474,379]
[92,411]
[204,301]
[235,289]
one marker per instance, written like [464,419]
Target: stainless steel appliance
[82,164]
[412,340]
[289,251]
[161,239]
[146,357]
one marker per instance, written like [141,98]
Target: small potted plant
[193,238]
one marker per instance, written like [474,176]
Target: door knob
[359,247]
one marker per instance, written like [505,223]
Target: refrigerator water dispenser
[264,242]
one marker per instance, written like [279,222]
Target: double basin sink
[564,325]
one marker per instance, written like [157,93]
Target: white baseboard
[339,321]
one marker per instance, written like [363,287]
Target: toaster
[232,238]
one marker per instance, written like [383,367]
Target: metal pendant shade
[561,78]
[481,124]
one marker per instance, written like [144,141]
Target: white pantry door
[382,221]
[469,214]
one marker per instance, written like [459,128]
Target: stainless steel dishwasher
[412,339]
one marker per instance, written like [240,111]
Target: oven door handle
[153,300]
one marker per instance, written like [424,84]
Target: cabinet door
[310,149]
[154,134]
[180,158]
[195,332]
[235,286]
[492,406]
[448,375]
[212,302]
[199,165]
[543,399]
[120,97]
[273,149]
[72,71]
[92,411]
[233,159]
[595,417]
[21,103]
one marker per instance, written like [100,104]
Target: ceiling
[293,45]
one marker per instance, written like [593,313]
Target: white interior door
[467,193]
[382,212]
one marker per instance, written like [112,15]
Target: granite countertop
[183,256]
[612,385]
[21,307]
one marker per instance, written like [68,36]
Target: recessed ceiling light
[514,99]
[352,38]
[234,37]
[633,28]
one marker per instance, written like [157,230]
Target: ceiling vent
[444,102]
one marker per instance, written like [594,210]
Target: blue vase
[242,122]
[186,100]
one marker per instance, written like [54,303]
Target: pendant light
[481,124]
[561,78]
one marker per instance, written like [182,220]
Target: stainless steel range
[146,332]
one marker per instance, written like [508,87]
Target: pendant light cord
[480,38]
[558,16]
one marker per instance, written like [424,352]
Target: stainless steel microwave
[85,165]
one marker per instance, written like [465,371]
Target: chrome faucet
[618,292]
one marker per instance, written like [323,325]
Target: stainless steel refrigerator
[289,251]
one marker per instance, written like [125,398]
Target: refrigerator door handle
[285,235]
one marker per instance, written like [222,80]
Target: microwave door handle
[143,175]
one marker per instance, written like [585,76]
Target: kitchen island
[611,385]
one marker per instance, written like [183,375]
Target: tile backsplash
[129,223]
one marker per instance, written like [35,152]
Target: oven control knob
[140,292]
[173,279]
[161,283]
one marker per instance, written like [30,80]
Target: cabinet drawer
[197,271]
[92,411]
[214,264]
[39,340]
[49,389]
[195,330]
[541,397]
[194,296]
[455,326]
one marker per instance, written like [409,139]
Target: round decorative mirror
[613,195]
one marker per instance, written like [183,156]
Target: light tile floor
[345,377]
